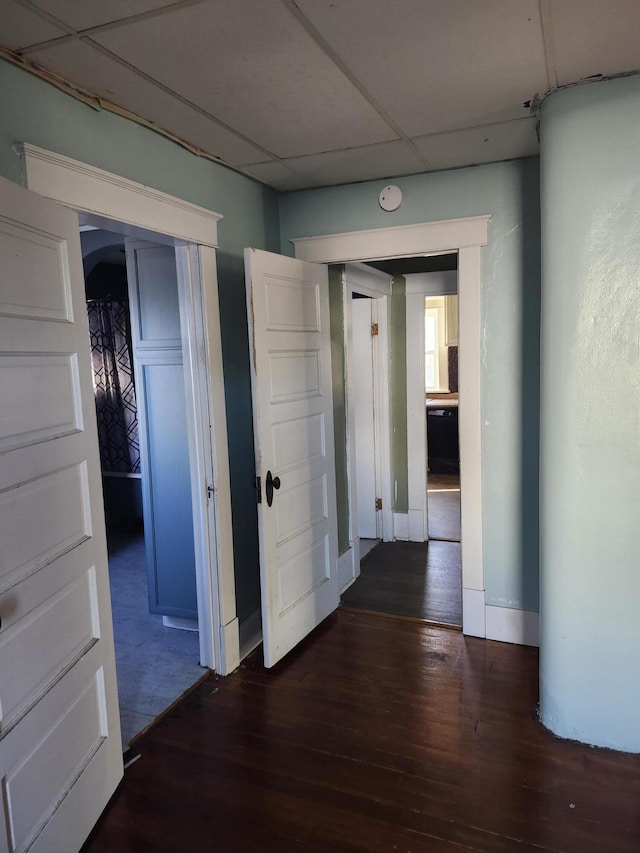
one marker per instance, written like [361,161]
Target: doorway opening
[420,579]
[133,309]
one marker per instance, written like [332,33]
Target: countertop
[441,403]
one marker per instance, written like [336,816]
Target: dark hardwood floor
[443,506]
[373,735]
[418,580]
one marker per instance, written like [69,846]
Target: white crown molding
[399,241]
[78,185]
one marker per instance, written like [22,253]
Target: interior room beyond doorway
[136,349]
[420,580]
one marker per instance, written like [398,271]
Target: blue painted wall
[590,439]
[36,112]
[510,334]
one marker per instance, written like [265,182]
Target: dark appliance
[442,440]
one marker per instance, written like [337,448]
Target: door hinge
[257,482]
[374,330]
[378,503]
[210,491]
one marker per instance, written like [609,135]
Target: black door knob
[271,484]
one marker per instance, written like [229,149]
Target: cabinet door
[164,443]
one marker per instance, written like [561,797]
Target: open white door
[60,748]
[362,407]
[288,309]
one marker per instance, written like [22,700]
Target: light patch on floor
[155,664]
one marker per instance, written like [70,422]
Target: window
[431,354]
[436,357]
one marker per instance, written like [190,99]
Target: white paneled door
[362,403]
[60,748]
[288,309]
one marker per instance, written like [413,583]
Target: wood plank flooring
[418,580]
[443,506]
[373,735]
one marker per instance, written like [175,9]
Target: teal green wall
[590,433]
[36,112]
[509,192]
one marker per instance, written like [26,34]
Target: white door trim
[416,420]
[88,189]
[466,236]
[423,238]
[111,198]
[360,278]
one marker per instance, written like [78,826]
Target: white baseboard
[473,613]
[230,646]
[401,526]
[417,526]
[180,623]
[347,565]
[513,626]
[250,634]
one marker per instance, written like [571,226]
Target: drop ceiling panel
[20,27]
[254,66]
[437,65]
[277,175]
[76,61]
[389,159]
[593,37]
[488,144]
[82,15]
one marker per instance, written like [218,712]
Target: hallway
[417,580]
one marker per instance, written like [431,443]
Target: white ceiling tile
[20,27]
[437,65]
[489,144]
[253,65]
[386,160]
[76,61]
[279,176]
[593,37]
[82,15]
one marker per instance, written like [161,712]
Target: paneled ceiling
[306,93]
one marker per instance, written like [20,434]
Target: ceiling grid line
[46,16]
[75,35]
[324,45]
[142,74]
[546,23]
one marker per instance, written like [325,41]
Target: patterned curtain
[113,384]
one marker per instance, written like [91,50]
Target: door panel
[164,441]
[288,306]
[60,748]
[363,414]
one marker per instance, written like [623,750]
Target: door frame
[465,236]
[139,211]
[359,278]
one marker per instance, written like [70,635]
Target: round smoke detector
[390,197]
